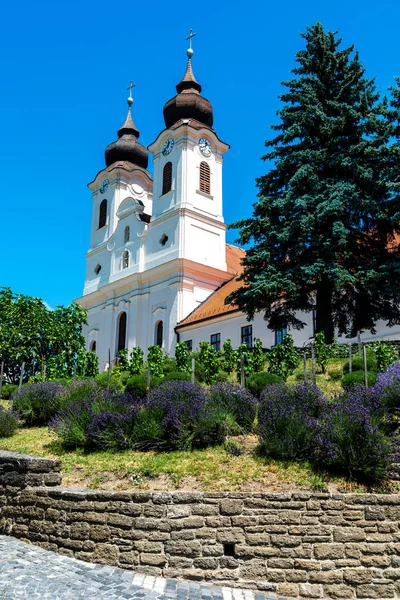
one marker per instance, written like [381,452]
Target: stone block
[205,563]
[349,534]
[310,590]
[156,560]
[106,554]
[339,591]
[376,591]
[357,576]
[230,536]
[99,533]
[288,589]
[231,507]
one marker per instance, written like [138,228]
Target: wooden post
[305,366]
[1,376]
[314,372]
[242,379]
[365,367]
[21,376]
[193,369]
[350,359]
[44,371]
[109,369]
[148,379]
[359,343]
[74,373]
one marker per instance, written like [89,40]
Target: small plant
[209,359]
[39,402]
[335,374]
[357,378]
[287,420]
[136,361]
[387,386]
[8,390]
[282,358]
[229,357]
[233,448]
[123,361]
[257,382]
[321,350]
[177,376]
[91,364]
[386,355]
[182,356]
[258,356]
[155,361]
[357,364]
[233,399]
[137,384]
[8,422]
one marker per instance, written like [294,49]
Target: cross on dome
[130,88]
[190,50]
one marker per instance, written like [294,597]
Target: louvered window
[159,333]
[125,260]
[103,213]
[167,178]
[204,178]
[127,234]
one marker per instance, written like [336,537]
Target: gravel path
[29,572]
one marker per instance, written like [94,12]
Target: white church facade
[158,269]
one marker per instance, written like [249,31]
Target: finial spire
[190,50]
[130,88]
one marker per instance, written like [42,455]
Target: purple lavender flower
[387,387]
[240,403]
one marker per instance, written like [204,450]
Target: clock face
[169,144]
[205,146]
[104,186]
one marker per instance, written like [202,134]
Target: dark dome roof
[188,104]
[127,147]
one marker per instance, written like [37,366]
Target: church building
[158,269]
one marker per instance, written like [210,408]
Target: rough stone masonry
[300,545]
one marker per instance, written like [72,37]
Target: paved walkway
[28,572]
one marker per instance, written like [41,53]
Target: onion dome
[127,147]
[188,104]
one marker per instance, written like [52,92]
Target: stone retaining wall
[299,545]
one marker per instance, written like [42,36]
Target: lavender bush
[179,405]
[236,401]
[8,422]
[287,420]
[349,437]
[387,386]
[37,403]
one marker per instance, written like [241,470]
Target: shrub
[102,420]
[213,427]
[283,358]
[8,390]
[136,361]
[180,405]
[209,359]
[115,379]
[229,357]
[387,386]
[233,448]
[235,400]
[39,402]
[335,374]
[79,389]
[349,438]
[137,384]
[182,354]
[155,360]
[91,364]
[357,378]
[386,355]
[287,420]
[177,376]
[8,422]
[258,357]
[321,350]
[122,359]
[257,382]
[358,364]
[169,365]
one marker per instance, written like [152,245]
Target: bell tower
[187,220]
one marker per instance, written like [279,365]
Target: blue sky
[65,68]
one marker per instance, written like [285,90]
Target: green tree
[155,361]
[209,359]
[321,350]
[323,220]
[282,358]
[182,356]
[136,361]
[229,357]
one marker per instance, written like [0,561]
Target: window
[163,239]
[167,178]
[159,333]
[93,346]
[97,269]
[204,184]
[189,344]
[216,341]
[127,233]
[121,331]
[247,335]
[125,260]
[103,213]
[279,335]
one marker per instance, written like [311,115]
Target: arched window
[103,213]
[127,233]
[167,178]
[204,184]
[159,333]
[125,260]
[93,346]
[121,331]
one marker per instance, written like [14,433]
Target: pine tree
[323,220]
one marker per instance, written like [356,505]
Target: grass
[212,469]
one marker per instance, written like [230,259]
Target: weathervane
[190,49]
[130,88]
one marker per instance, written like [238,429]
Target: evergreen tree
[323,221]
